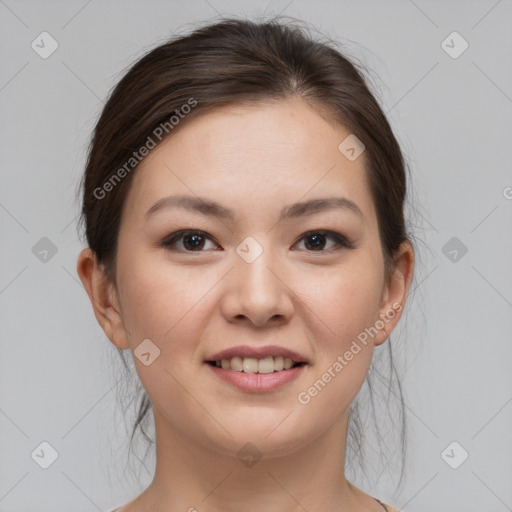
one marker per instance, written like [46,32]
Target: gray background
[453,119]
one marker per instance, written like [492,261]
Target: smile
[253,365]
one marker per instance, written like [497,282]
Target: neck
[193,476]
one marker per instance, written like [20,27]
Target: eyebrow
[211,208]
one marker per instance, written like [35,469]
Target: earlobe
[103,297]
[382,335]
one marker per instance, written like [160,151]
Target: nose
[258,292]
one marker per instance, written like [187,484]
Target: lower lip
[257,381]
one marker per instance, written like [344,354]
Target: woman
[243,207]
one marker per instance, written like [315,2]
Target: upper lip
[258,353]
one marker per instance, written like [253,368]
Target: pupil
[197,240]
[318,242]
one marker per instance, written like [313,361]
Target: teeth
[234,364]
[266,365]
[253,365]
[250,365]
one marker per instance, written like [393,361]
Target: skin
[254,160]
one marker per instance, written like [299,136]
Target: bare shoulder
[389,507]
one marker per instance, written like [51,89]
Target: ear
[103,296]
[395,292]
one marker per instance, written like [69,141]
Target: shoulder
[390,508]
[120,508]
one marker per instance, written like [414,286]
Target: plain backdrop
[451,109]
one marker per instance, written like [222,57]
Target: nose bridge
[253,269]
[257,291]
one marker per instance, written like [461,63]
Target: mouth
[254,365]
[257,369]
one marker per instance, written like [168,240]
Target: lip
[257,353]
[257,382]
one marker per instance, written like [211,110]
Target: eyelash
[341,241]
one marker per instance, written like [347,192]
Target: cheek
[163,304]
[344,303]
[344,349]
[346,299]
[168,308]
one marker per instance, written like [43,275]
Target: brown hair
[235,62]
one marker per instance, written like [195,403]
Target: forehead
[257,156]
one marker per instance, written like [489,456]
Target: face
[263,274]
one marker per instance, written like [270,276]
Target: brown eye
[315,241]
[195,241]
[192,241]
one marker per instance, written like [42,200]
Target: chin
[265,439]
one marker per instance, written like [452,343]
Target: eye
[193,240]
[316,241]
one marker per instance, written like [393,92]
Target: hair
[242,62]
